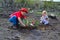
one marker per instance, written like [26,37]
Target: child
[44,18]
[17,17]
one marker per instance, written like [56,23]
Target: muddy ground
[8,34]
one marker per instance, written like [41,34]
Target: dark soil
[35,34]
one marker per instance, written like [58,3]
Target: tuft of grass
[30,21]
[37,23]
[38,13]
[1,10]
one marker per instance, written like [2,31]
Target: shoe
[12,27]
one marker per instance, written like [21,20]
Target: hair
[24,10]
[44,12]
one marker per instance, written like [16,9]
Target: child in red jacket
[17,17]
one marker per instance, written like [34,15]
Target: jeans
[13,20]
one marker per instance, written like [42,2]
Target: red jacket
[18,14]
